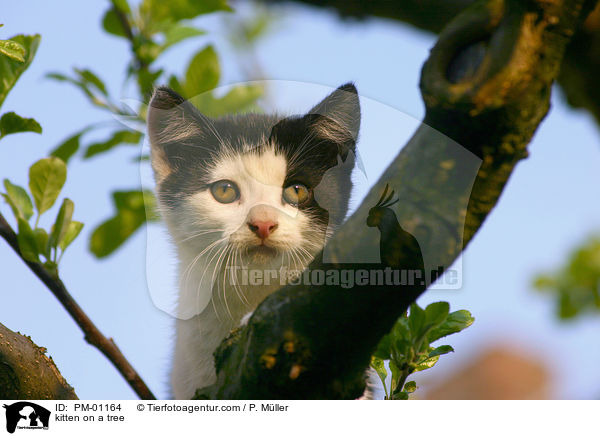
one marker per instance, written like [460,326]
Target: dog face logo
[26,415]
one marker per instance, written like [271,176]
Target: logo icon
[26,415]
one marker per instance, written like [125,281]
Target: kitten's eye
[296,194]
[225,191]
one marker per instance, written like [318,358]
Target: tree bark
[580,67]
[430,15]
[486,86]
[26,371]
[93,335]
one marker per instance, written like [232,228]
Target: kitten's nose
[262,228]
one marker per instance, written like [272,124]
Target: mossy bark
[26,372]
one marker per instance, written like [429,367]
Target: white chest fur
[197,338]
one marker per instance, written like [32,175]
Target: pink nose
[262,228]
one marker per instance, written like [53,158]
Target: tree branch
[124,21]
[92,334]
[486,86]
[20,358]
[430,15]
[580,66]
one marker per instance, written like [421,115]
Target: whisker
[204,232]
[217,267]
[239,289]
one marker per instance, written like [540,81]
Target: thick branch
[92,334]
[430,15]
[580,67]
[20,359]
[486,86]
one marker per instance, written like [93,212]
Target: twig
[124,21]
[92,334]
[142,64]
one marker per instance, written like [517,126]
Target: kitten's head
[263,184]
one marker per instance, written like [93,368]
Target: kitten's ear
[337,117]
[172,120]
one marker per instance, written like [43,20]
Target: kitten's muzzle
[262,229]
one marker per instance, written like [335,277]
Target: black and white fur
[262,154]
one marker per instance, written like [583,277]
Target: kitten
[240,194]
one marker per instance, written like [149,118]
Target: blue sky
[548,206]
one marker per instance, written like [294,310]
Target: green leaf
[46,178]
[147,78]
[400,396]
[10,69]
[543,282]
[175,84]
[396,374]
[112,23]
[89,77]
[13,50]
[177,33]
[239,99]
[27,241]
[202,73]
[133,209]
[401,330]
[401,348]
[59,229]
[410,387]
[73,231]
[41,239]
[441,350]
[567,308]
[245,32]
[111,234]
[426,363]
[69,147]
[83,86]
[176,10]
[19,200]
[123,6]
[416,319]
[436,313]
[379,366]
[136,200]
[574,285]
[117,138]
[383,350]
[455,322]
[13,123]
[59,77]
